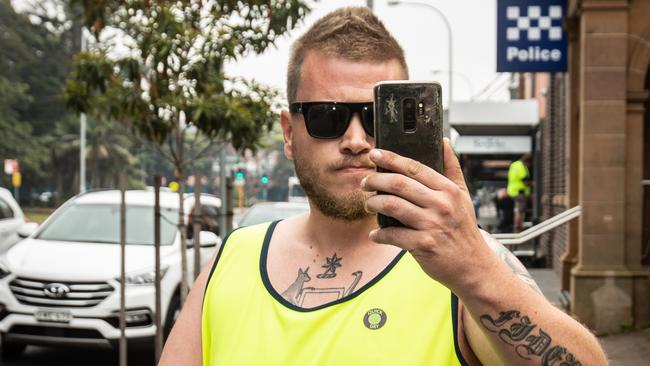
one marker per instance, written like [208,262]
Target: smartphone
[408,121]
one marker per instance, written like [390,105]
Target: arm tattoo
[511,260]
[517,331]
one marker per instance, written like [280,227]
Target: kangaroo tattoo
[293,293]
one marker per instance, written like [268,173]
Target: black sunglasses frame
[367,119]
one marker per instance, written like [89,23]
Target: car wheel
[10,350]
[173,312]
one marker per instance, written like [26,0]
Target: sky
[423,36]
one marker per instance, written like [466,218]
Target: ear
[287,133]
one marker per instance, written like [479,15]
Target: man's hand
[442,234]
[443,237]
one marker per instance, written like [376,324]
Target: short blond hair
[351,33]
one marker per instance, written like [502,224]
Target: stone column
[570,256]
[602,282]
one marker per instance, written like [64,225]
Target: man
[519,186]
[505,211]
[319,289]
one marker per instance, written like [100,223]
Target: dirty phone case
[408,121]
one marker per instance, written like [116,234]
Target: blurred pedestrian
[519,188]
[505,211]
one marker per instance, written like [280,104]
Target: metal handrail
[539,229]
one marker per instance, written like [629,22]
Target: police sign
[530,37]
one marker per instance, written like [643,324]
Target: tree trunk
[181,216]
[197,220]
[183,231]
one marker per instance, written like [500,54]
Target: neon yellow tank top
[401,317]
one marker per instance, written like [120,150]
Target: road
[45,356]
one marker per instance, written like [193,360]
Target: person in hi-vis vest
[329,287]
[519,188]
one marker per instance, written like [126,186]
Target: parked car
[61,285]
[272,211]
[11,219]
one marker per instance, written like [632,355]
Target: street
[70,356]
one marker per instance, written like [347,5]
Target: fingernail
[363,182]
[375,154]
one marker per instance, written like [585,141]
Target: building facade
[607,157]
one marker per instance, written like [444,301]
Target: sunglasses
[330,120]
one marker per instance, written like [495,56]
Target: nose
[355,141]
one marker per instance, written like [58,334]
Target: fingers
[453,171]
[399,185]
[403,237]
[410,168]
[394,206]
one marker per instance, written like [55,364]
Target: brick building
[595,153]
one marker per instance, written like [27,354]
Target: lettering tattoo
[330,266]
[517,331]
[298,294]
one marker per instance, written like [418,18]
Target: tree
[17,141]
[37,46]
[170,81]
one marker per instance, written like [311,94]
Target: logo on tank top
[374,319]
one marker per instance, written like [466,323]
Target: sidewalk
[626,349]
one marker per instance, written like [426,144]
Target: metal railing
[539,229]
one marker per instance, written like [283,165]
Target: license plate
[53,316]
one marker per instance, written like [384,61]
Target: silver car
[11,219]
[272,211]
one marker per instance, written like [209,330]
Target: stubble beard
[349,206]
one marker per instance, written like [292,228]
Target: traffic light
[240,174]
[264,179]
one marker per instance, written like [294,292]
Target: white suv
[11,218]
[61,284]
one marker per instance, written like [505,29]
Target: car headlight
[4,268]
[143,277]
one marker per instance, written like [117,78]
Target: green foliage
[17,141]
[38,58]
[34,63]
[172,76]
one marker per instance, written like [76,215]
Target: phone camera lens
[409,112]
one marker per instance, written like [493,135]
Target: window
[5,210]
[100,223]
[209,220]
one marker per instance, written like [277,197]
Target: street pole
[122,342]
[463,76]
[158,343]
[82,133]
[223,219]
[449,37]
[196,225]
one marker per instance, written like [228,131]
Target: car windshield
[258,215]
[100,223]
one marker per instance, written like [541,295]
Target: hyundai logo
[56,290]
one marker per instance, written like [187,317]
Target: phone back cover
[425,143]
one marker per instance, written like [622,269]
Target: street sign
[493,144]
[11,166]
[174,186]
[530,37]
[16,179]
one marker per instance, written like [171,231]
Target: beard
[348,206]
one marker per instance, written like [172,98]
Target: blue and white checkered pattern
[533,23]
